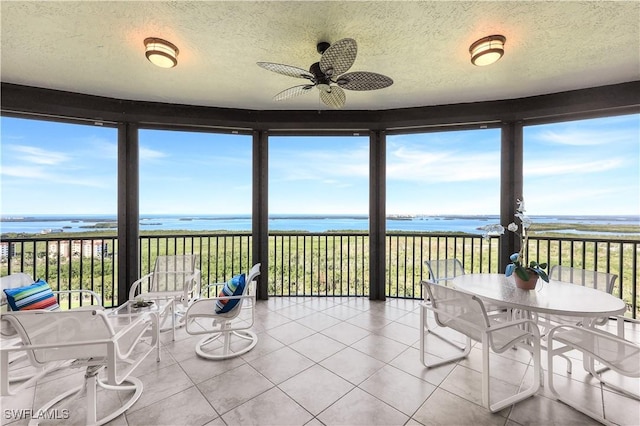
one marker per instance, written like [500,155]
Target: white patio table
[554,297]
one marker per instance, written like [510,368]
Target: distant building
[86,248]
[7,250]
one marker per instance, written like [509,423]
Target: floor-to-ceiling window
[194,183]
[319,185]
[584,167]
[60,180]
[439,182]
[53,168]
[582,179]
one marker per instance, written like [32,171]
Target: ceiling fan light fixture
[161,52]
[487,50]
[328,75]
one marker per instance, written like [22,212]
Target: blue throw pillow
[233,287]
[34,296]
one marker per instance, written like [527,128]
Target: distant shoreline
[618,226]
[184,217]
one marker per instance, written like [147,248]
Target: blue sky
[587,167]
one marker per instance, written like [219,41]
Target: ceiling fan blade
[339,57]
[333,98]
[363,80]
[292,92]
[286,70]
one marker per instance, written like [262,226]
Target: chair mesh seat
[467,323]
[622,356]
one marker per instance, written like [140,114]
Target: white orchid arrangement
[519,263]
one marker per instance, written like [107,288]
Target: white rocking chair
[229,333]
[87,339]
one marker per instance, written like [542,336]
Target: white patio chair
[228,331]
[174,277]
[86,339]
[444,269]
[602,281]
[20,370]
[466,314]
[620,356]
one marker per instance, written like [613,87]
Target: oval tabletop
[554,297]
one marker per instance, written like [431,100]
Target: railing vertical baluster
[289,264]
[298,265]
[634,278]
[326,264]
[311,264]
[482,250]
[46,259]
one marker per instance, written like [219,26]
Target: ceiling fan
[329,76]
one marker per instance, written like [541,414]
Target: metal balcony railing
[310,264]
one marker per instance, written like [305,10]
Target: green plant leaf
[543,275]
[522,273]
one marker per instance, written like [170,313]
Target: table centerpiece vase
[529,284]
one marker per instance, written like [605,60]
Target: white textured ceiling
[96,47]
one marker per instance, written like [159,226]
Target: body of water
[38,224]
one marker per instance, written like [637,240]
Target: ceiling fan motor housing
[322,46]
[320,77]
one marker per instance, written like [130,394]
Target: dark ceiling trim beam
[606,100]
[596,101]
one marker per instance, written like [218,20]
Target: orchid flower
[519,264]
[491,231]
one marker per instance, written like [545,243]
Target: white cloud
[150,154]
[560,166]
[49,176]
[23,172]
[584,137]
[319,165]
[102,148]
[35,155]
[442,166]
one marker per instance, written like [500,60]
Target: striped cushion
[233,287]
[35,296]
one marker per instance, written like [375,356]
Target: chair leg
[89,387]
[440,336]
[226,351]
[423,344]
[7,377]
[558,352]
[486,377]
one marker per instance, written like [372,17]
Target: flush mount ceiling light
[161,53]
[487,50]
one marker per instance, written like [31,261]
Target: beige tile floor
[336,361]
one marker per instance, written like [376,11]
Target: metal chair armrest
[136,284]
[205,308]
[620,324]
[533,329]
